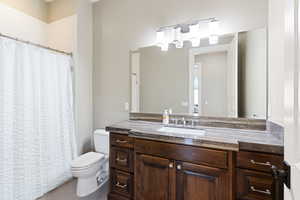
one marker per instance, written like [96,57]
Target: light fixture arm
[188,23]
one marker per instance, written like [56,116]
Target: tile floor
[68,192]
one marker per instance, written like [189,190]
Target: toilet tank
[101,141]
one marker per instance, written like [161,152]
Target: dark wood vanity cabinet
[151,170]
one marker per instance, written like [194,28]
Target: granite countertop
[269,141]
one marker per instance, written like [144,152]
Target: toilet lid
[86,160]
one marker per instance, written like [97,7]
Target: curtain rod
[34,44]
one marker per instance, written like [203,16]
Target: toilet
[91,169]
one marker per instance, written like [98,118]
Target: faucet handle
[183,121]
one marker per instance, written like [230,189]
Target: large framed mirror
[226,79]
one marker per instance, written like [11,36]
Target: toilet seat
[85,161]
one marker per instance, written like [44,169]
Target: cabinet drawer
[121,158]
[120,140]
[254,185]
[258,161]
[121,183]
[196,155]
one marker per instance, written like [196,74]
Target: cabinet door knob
[179,167]
[171,165]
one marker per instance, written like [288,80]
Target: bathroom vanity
[220,87]
[218,164]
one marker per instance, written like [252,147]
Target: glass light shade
[169,35]
[194,35]
[178,38]
[213,39]
[214,27]
[194,30]
[160,38]
[195,42]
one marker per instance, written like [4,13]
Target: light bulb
[195,42]
[194,30]
[213,39]
[160,38]
[214,27]
[169,35]
[194,35]
[178,38]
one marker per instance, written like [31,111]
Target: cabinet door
[154,178]
[195,182]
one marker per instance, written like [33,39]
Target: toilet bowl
[91,169]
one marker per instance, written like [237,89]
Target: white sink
[182,132]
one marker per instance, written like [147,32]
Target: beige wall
[61,34]
[60,9]
[83,57]
[120,26]
[276,61]
[34,8]
[16,24]
[47,12]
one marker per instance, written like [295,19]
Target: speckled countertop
[269,141]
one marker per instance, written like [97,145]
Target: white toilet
[91,168]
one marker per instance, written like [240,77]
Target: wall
[84,75]
[60,9]
[276,61]
[62,34]
[34,8]
[120,26]
[213,75]
[253,73]
[163,79]
[20,25]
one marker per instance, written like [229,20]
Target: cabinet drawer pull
[171,165]
[121,160]
[260,163]
[268,192]
[121,185]
[121,141]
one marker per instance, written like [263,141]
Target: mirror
[227,79]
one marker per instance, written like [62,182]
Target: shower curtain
[37,139]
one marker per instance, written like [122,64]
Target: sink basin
[182,132]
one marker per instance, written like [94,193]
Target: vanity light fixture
[214,32]
[177,34]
